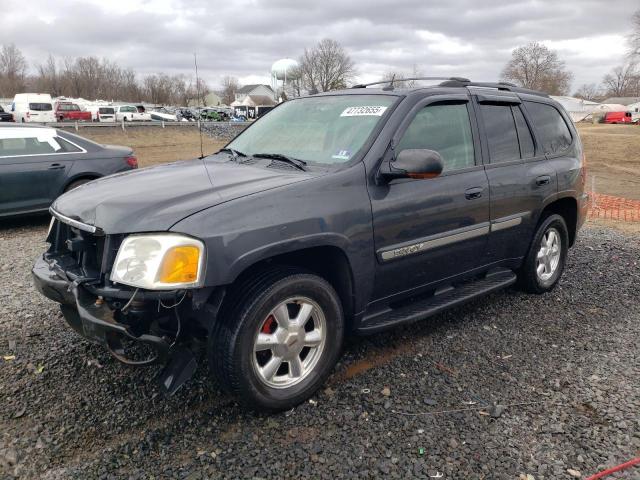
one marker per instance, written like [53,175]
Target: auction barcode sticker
[363,111]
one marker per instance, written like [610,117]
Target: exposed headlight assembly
[163,261]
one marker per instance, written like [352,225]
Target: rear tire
[77,183]
[544,264]
[278,340]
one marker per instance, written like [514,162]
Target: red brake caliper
[269,325]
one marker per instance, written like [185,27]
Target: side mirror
[415,163]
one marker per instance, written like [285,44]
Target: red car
[70,111]
[617,117]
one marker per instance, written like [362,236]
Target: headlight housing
[163,261]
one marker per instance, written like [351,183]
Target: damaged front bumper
[85,306]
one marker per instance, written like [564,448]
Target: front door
[426,231]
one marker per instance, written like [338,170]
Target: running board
[439,302]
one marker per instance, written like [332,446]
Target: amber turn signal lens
[180,265]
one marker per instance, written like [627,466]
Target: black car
[346,212]
[5,116]
[37,164]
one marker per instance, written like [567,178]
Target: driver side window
[444,128]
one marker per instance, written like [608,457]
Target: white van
[101,113]
[32,107]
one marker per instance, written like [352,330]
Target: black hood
[154,199]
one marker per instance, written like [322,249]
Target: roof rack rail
[394,80]
[467,83]
[457,82]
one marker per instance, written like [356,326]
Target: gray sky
[244,37]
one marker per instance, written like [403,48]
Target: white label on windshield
[363,111]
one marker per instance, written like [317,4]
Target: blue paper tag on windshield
[342,155]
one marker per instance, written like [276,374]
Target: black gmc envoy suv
[347,211]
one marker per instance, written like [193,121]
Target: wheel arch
[329,262]
[79,176]
[567,208]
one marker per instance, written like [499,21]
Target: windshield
[324,130]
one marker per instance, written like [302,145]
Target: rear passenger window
[444,128]
[527,149]
[550,127]
[11,147]
[501,133]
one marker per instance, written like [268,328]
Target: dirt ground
[156,145]
[613,158]
[631,228]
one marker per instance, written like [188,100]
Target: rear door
[520,177]
[426,231]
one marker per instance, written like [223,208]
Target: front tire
[278,340]
[544,264]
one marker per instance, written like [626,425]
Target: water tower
[282,72]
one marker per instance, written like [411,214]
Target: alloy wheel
[289,342]
[548,257]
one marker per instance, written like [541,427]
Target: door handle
[543,180]
[56,166]
[472,193]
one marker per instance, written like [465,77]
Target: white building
[577,108]
[254,90]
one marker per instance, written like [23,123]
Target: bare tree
[535,66]
[130,88]
[622,81]
[202,90]
[230,86]
[294,85]
[164,89]
[589,91]
[327,66]
[48,79]
[13,68]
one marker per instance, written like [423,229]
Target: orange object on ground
[614,208]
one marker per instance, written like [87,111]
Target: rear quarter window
[66,146]
[550,126]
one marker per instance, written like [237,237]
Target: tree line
[93,78]
[326,66]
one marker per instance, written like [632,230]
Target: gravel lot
[570,359]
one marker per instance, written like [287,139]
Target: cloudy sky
[244,37]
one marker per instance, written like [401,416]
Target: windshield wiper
[234,153]
[296,162]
